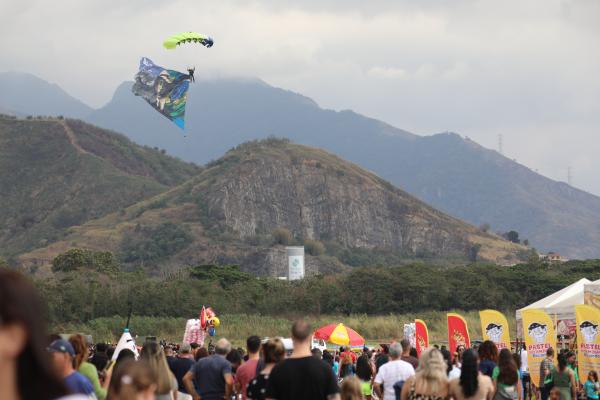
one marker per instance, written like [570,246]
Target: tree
[526,242]
[282,236]
[74,259]
[512,236]
[484,227]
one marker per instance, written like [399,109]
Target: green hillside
[57,173]
[259,196]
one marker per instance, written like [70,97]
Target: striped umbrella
[339,334]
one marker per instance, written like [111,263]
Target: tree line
[96,288]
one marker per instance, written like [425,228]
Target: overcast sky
[528,70]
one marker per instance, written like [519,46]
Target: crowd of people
[34,365]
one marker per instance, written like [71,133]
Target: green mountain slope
[55,174]
[242,204]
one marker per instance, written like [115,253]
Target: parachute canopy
[164,89]
[187,37]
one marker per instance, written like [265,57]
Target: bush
[282,236]
[74,259]
[314,247]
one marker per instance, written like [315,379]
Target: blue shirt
[486,367]
[79,384]
[591,390]
[209,376]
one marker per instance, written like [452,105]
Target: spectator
[346,366]
[201,353]
[488,356]
[364,372]
[195,347]
[166,384]
[413,352]
[546,368]
[391,372]
[383,356]
[132,380]
[85,368]
[471,385]
[564,379]
[180,366]
[302,376]
[247,371]
[211,375]
[317,353]
[62,357]
[591,386]
[27,372]
[406,354]
[347,351]
[273,352]
[100,357]
[430,381]
[506,377]
[336,366]
[169,354]
[351,389]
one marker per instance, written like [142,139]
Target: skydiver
[191,73]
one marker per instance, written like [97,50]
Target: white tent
[125,342]
[560,305]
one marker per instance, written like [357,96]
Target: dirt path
[72,138]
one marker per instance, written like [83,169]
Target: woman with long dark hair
[471,385]
[506,378]
[564,379]
[488,357]
[26,370]
[364,372]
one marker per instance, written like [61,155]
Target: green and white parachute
[187,37]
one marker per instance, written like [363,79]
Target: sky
[524,69]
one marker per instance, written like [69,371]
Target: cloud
[528,70]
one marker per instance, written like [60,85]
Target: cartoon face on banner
[538,332]
[589,331]
[494,332]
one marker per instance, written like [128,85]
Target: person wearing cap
[62,357]
[180,366]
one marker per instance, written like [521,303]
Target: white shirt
[524,361]
[455,373]
[392,372]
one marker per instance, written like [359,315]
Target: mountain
[25,94]
[450,173]
[236,209]
[57,173]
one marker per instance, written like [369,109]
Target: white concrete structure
[295,256]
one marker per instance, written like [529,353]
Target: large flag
[588,340]
[539,335]
[458,332]
[164,89]
[494,327]
[421,336]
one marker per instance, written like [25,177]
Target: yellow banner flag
[494,327]
[539,333]
[588,340]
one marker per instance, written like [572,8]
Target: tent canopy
[560,305]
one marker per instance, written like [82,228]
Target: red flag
[421,336]
[458,333]
[203,318]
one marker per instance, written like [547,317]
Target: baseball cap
[61,346]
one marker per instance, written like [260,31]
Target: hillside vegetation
[57,173]
[260,196]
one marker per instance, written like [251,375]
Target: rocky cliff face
[317,196]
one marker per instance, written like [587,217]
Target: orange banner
[421,336]
[458,332]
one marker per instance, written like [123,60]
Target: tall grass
[237,327]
